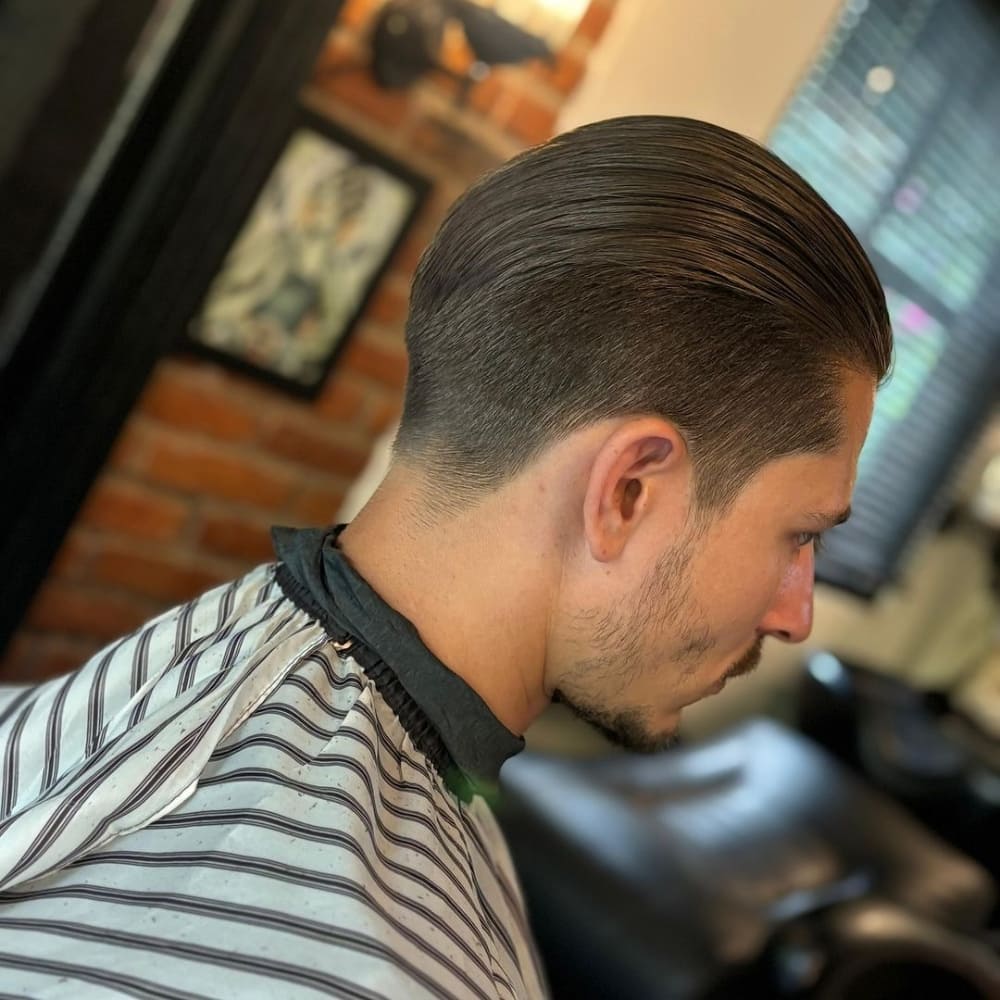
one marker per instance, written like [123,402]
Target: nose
[790,616]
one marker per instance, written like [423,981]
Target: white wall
[731,62]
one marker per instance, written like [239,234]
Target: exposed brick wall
[209,459]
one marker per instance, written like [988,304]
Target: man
[643,360]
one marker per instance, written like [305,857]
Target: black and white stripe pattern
[220,806]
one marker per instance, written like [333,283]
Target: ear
[644,462]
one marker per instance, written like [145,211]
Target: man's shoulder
[220,646]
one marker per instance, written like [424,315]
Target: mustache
[748,661]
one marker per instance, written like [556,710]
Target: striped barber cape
[274,790]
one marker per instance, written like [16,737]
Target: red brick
[244,538]
[83,610]
[72,561]
[385,414]
[165,577]
[177,397]
[483,96]
[32,658]
[452,146]
[437,206]
[532,121]
[316,505]
[388,305]
[566,74]
[356,13]
[376,362]
[202,468]
[455,54]
[115,504]
[339,75]
[595,20]
[356,89]
[130,448]
[17,659]
[341,398]
[449,86]
[408,255]
[314,446]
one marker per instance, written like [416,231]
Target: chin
[650,742]
[630,729]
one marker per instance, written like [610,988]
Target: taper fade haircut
[637,266]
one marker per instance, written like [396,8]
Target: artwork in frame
[304,263]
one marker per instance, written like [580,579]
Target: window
[897,125]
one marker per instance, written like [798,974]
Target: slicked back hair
[636,266]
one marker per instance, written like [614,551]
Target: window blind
[897,125]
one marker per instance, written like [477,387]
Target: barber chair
[913,745]
[752,865]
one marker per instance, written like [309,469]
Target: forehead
[804,486]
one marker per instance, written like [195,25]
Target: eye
[815,538]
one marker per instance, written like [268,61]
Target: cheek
[737,596]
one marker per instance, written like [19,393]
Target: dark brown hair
[644,265]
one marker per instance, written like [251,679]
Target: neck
[466,586]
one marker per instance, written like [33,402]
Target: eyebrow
[827,521]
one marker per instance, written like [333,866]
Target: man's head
[664,335]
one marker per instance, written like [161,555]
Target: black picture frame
[301,266]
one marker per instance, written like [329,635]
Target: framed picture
[302,266]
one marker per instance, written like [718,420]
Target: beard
[629,729]
[618,638]
[663,605]
[747,662]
